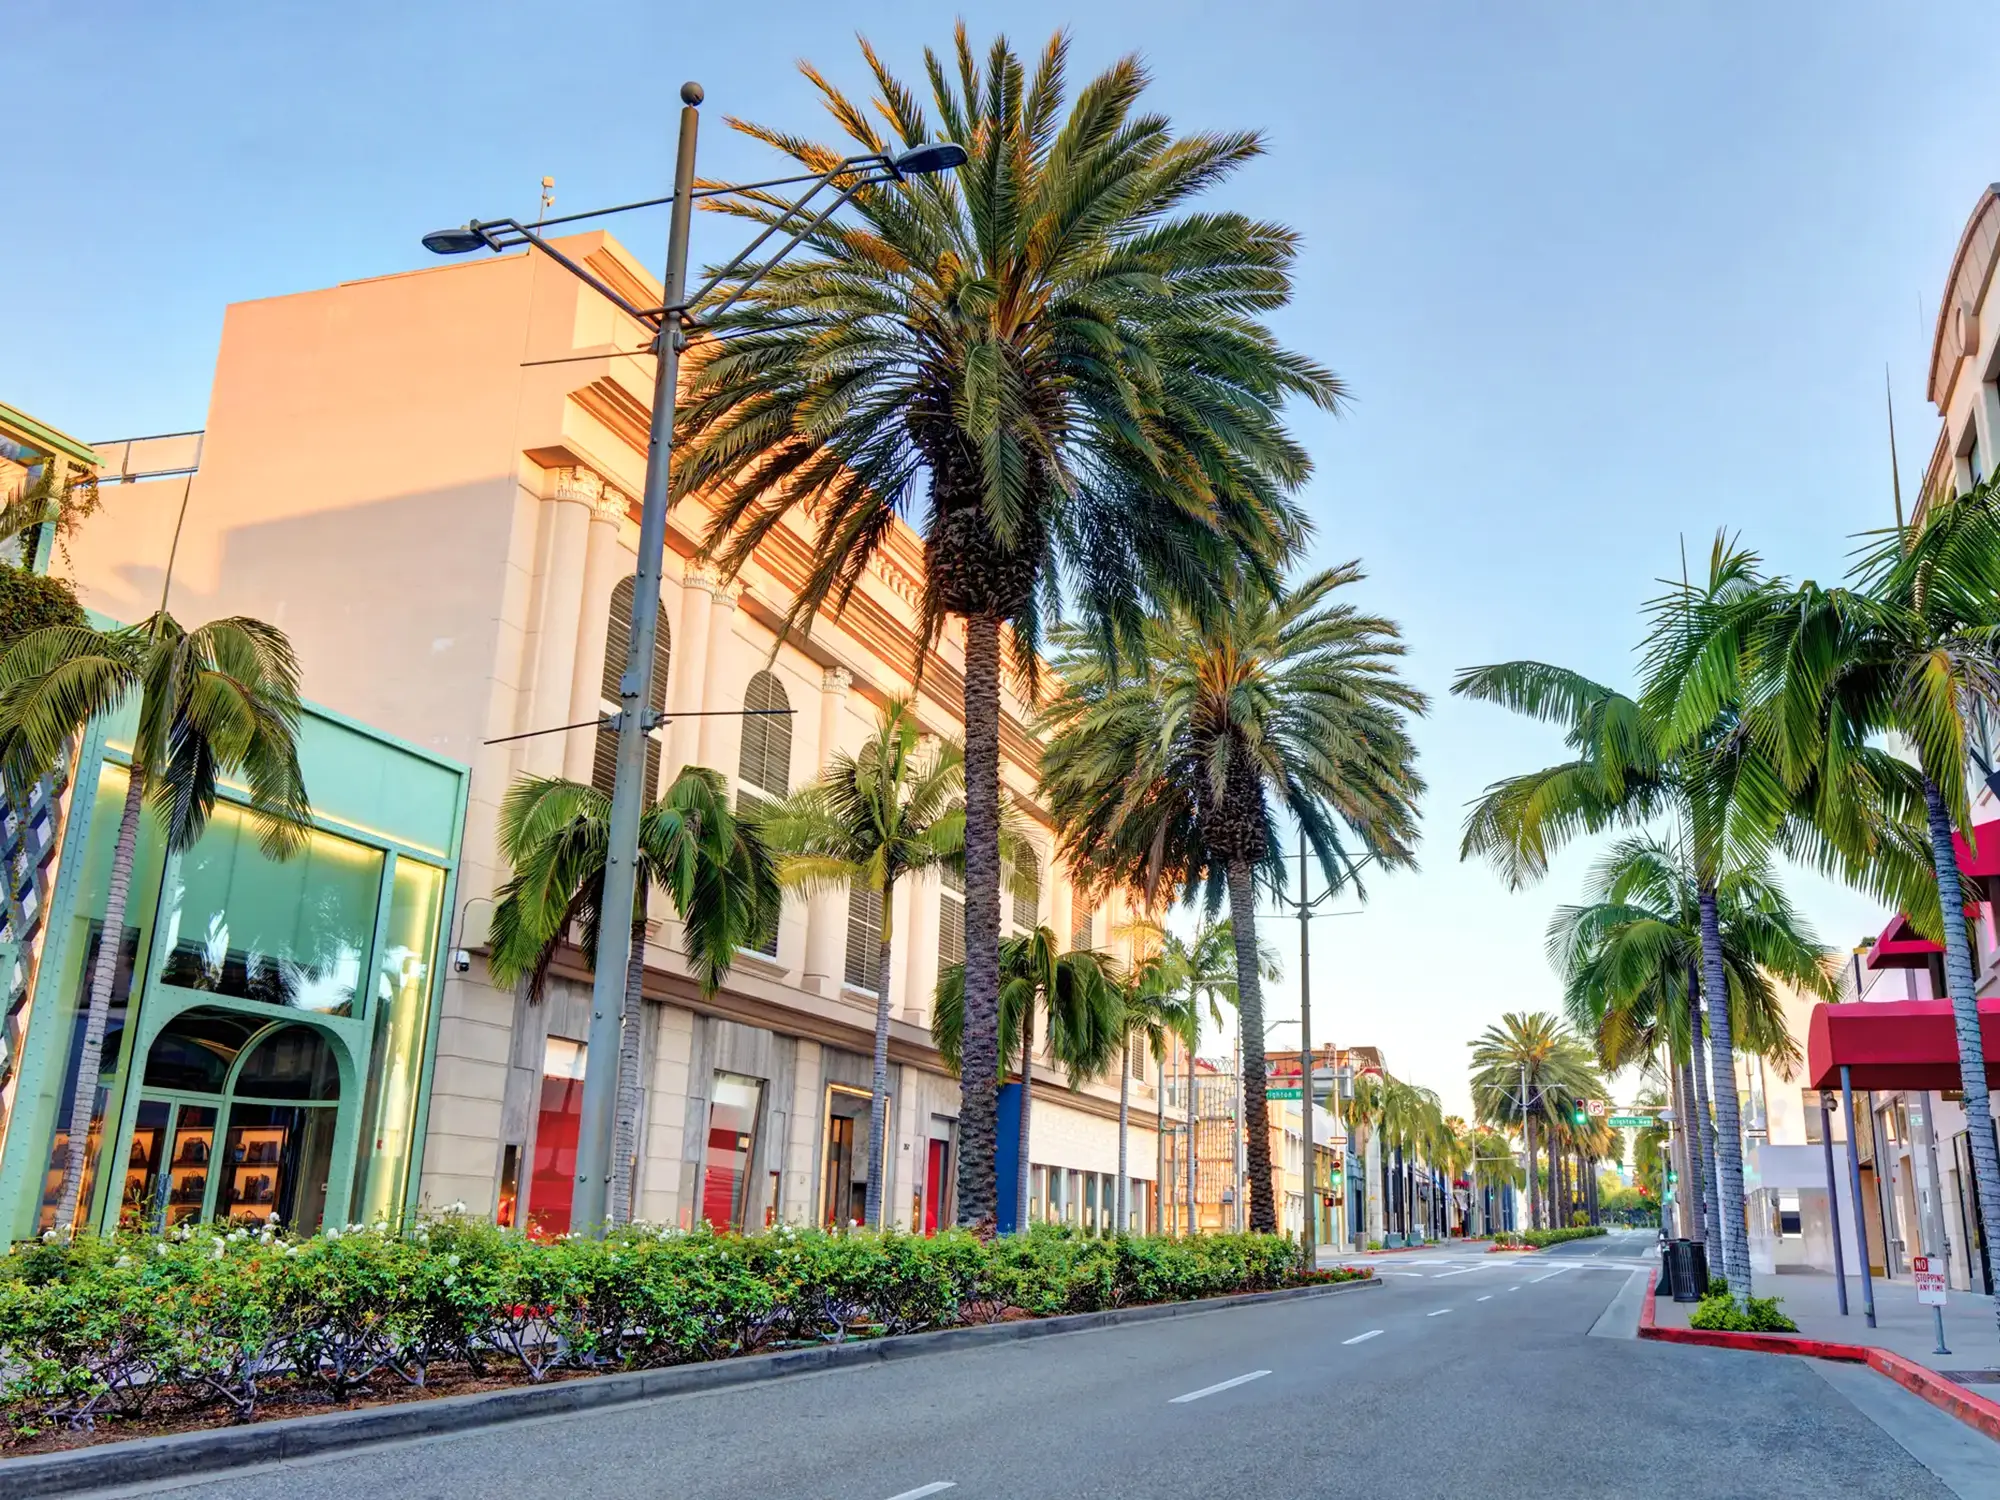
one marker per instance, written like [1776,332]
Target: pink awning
[1987,860]
[1899,946]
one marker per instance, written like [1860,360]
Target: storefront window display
[734,1104]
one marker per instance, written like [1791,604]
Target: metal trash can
[1685,1269]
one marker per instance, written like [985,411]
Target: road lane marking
[1487,1298]
[1362,1338]
[1210,1390]
[1419,1275]
[1556,1272]
[1440,1276]
[937,1487]
[1439,1313]
[1513,1289]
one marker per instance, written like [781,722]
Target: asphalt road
[1465,1374]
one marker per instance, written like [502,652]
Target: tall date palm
[1172,768]
[1050,359]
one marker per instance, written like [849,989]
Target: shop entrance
[274,1091]
[843,1198]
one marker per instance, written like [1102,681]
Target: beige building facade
[429,481]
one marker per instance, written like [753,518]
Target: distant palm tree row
[1759,731]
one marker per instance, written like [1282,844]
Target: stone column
[917,948]
[560,587]
[826,911]
[605,561]
[720,739]
[688,689]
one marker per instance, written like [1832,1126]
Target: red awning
[1987,860]
[1899,946]
[1899,1044]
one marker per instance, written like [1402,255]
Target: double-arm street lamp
[669,323]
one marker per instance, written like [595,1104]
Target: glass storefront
[552,1184]
[843,1197]
[265,1054]
[733,1107]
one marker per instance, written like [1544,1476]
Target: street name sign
[1284,1093]
[1631,1122]
[1929,1273]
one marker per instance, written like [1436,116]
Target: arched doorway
[237,1119]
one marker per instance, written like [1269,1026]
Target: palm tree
[1681,751]
[221,700]
[1078,992]
[1630,961]
[1455,1151]
[1155,1005]
[712,865]
[1171,767]
[1051,354]
[888,811]
[1528,1070]
[1206,963]
[1909,650]
[1494,1166]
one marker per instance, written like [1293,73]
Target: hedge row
[1540,1238]
[220,1320]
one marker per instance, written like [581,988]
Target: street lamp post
[669,322]
[1308,1246]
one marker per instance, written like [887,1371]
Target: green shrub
[1542,1238]
[207,1320]
[1718,1311]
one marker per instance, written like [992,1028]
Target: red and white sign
[1594,1108]
[1929,1273]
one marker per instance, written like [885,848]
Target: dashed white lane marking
[1220,1385]
[1513,1289]
[1487,1298]
[1439,1313]
[937,1487]
[1362,1338]
[1440,1275]
[1556,1272]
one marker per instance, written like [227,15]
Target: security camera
[461,960]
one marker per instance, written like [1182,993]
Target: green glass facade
[273,1021]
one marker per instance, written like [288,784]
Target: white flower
[381,1226]
[160,1247]
[48,1236]
[332,1233]
[274,1221]
[122,1261]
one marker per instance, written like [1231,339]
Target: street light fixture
[668,322]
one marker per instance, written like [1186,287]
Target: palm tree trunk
[979,1071]
[1022,1170]
[878,1105]
[1728,1126]
[1706,1185]
[1959,983]
[1124,1114]
[625,1129]
[1250,1021]
[90,1063]
[1193,1222]
[1528,1150]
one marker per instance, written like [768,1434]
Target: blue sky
[1601,278]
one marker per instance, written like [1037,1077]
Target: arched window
[617,644]
[864,938]
[765,767]
[951,917]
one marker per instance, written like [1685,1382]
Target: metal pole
[628,797]
[1932,1219]
[1854,1181]
[1309,1235]
[1833,1205]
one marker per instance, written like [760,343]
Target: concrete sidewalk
[1902,1326]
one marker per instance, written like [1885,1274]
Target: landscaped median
[143,1336]
[1541,1239]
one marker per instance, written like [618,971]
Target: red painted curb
[1948,1396]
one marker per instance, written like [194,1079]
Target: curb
[1974,1410]
[213,1450]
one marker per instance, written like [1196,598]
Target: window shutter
[951,930]
[1027,893]
[864,938]
[1080,932]
[766,759]
[617,645]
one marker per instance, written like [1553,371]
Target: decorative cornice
[836,680]
[578,485]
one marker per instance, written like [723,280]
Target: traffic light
[1580,1115]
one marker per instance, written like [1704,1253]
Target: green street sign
[1634,1122]
[1284,1094]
